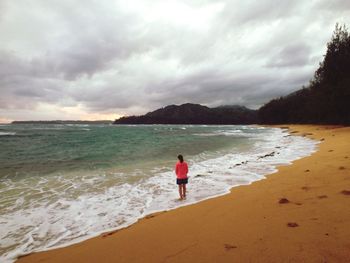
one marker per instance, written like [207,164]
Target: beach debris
[322,196]
[341,168]
[238,164]
[267,155]
[149,216]
[283,201]
[102,214]
[345,192]
[306,171]
[109,233]
[323,139]
[229,246]
[307,134]
[292,224]
[330,151]
[297,203]
[306,188]
[294,132]
[200,175]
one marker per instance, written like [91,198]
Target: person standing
[181,170]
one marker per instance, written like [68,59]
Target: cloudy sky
[100,59]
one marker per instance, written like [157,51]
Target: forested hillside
[326,100]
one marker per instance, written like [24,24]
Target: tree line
[327,97]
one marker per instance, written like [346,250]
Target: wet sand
[299,214]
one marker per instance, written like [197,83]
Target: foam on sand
[59,216]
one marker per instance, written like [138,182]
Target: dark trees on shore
[326,100]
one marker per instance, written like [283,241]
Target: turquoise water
[60,184]
[28,150]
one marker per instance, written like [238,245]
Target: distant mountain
[62,122]
[194,114]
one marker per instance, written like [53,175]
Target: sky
[102,59]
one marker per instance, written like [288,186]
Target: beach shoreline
[248,224]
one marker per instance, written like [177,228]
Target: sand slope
[252,224]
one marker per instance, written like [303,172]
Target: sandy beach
[299,214]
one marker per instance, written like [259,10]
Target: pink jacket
[181,170]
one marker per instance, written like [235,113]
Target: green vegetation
[326,99]
[194,114]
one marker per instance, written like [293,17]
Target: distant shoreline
[63,122]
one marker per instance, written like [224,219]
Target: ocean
[61,184]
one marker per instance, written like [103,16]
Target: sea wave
[7,133]
[56,217]
[237,133]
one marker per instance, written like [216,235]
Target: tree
[326,99]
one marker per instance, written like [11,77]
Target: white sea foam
[56,127]
[7,133]
[77,125]
[235,133]
[57,217]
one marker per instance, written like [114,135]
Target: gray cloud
[334,5]
[106,56]
[247,12]
[294,55]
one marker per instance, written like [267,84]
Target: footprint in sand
[330,151]
[341,168]
[292,224]
[306,171]
[306,188]
[322,196]
[229,246]
[283,201]
[345,192]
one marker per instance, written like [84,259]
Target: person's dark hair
[181,158]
